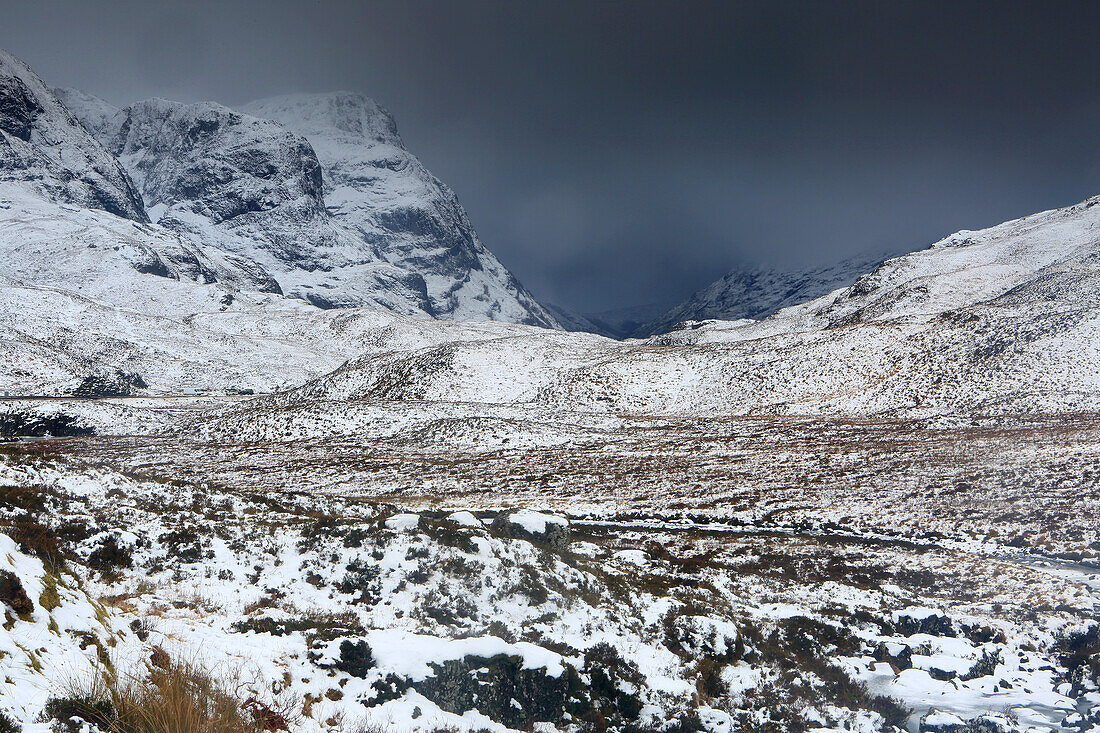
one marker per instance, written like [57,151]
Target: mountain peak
[354,115]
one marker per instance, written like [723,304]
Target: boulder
[537,527]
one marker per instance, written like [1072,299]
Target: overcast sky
[616,154]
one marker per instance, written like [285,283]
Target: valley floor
[1022,482]
[384,564]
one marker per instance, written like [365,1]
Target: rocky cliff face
[43,145]
[252,189]
[50,163]
[381,192]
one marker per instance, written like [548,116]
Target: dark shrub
[709,680]
[12,593]
[1079,652]
[8,724]
[685,723]
[356,658]
[985,666]
[35,538]
[610,674]
[109,557]
[361,578]
[183,544]
[60,711]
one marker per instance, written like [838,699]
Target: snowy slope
[77,299]
[73,304]
[378,189]
[759,292]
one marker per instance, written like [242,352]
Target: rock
[936,721]
[498,687]
[899,655]
[918,620]
[990,724]
[403,522]
[533,526]
[943,675]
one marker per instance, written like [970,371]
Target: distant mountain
[758,292]
[618,323]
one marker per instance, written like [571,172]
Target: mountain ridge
[755,292]
[253,188]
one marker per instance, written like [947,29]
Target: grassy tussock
[171,696]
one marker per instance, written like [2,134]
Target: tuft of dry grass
[170,696]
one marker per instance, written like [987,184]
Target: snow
[409,654]
[918,613]
[403,522]
[535,522]
[465,519]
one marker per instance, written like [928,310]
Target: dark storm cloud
[623,153]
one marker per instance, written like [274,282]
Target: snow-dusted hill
[378,189]
[1002,320]
[758,292]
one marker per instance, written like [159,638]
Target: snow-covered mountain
[86,294]
[255,189]
[43,145]
[251,189]
[757,292]
[379,190]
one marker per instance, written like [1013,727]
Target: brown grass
[169,696]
